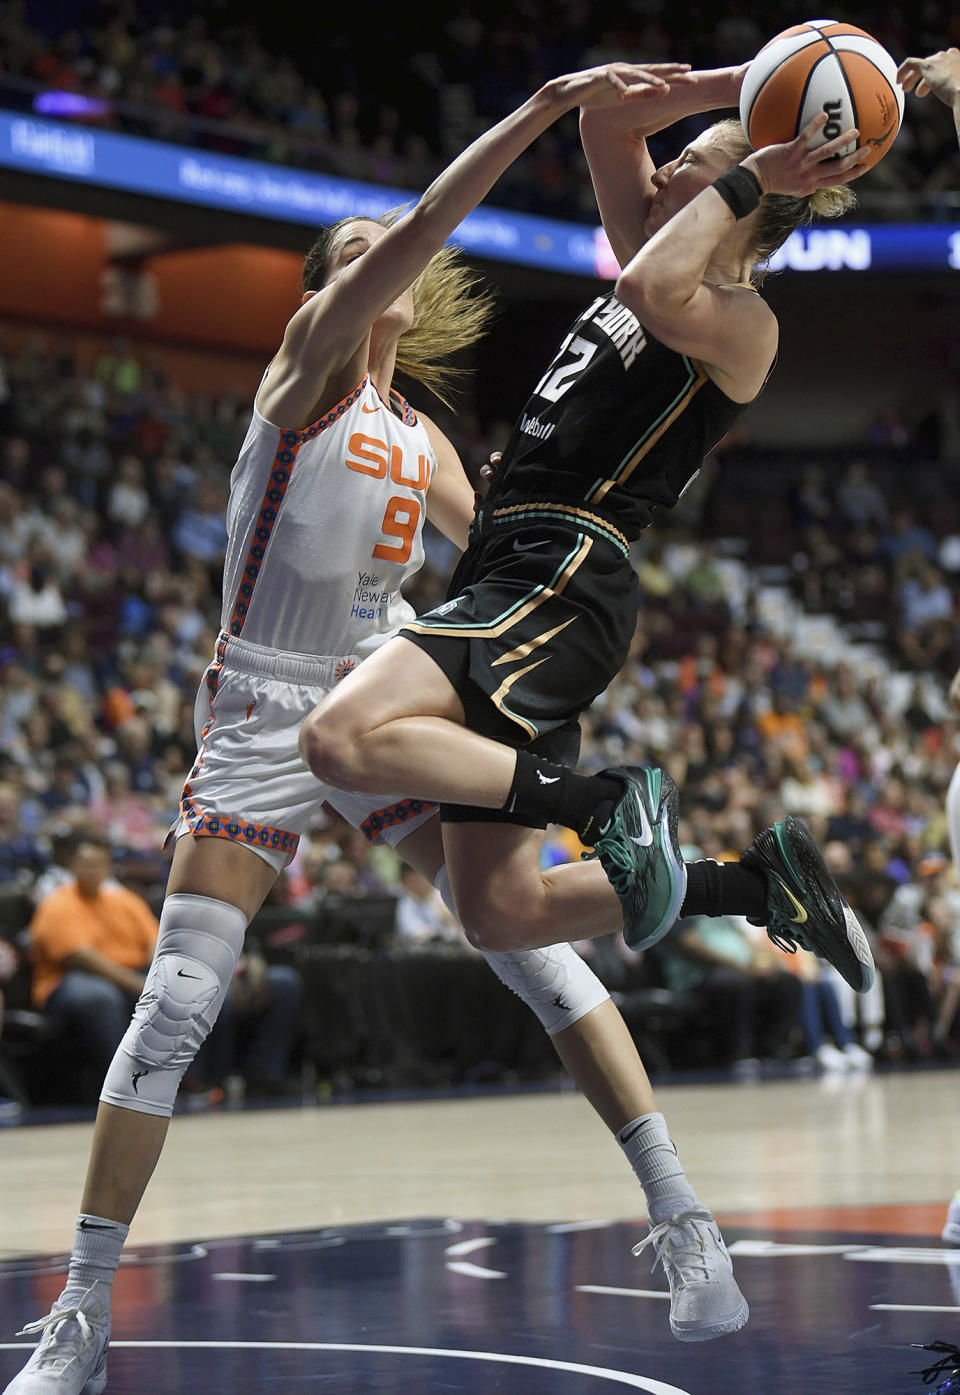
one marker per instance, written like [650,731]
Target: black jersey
[618,425]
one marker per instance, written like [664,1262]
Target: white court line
[623,1292]
[569,1226]
[647,1383]
[467,1247]
[474,1271]
[246,1278]
[910,1308]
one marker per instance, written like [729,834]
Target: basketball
[824,65]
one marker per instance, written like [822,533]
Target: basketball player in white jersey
[940,74]
[326,507]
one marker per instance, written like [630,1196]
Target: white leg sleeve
[197,951]
[554,982]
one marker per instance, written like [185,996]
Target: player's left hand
[794,168]
[487,475]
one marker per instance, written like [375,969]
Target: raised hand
[793,168]
[613,84]
[939,74]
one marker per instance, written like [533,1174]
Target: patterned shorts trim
[394,814]
[201,825]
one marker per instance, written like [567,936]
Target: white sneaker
[951,1230]
[856,1057]
[71,1356]
[705,1301]
[830,1058]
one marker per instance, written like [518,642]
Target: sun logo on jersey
[344,667]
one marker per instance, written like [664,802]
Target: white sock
[653,1157]
[97,1247]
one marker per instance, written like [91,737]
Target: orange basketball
[824,65]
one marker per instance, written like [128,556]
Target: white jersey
[324,526]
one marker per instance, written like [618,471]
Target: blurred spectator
[254,1034]
[750,1003]
[21,858]
[36,600]
[12,1095]
[827,1036]
[91,945]
[422,917]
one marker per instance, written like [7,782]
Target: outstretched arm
[939,74]
[329,331]
[615,142]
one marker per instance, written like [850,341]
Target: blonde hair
[452,308]
[779,214]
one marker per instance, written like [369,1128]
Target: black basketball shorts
[540,619]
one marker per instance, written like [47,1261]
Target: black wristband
[740,190]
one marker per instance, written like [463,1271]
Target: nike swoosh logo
[181,974]
[92,1225]
[365,408]
[518,546]
[646,832]
[801,916]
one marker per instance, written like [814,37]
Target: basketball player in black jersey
[478,701]
[476,704]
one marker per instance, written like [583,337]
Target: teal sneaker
[804,905]
[638,849]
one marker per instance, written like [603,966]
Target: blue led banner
[39,146]
[138,166]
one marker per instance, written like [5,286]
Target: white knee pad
[554,982]
[198,946]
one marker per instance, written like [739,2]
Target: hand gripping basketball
[796,168]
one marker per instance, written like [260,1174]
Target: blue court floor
[431,1306]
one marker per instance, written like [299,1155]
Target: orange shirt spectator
[93,925]
[786,729]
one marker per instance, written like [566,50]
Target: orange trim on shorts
[374,824]
[201,825]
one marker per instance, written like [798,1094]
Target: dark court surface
[424,1307]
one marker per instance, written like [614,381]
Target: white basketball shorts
[248,783]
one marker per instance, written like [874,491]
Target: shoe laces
[615,858]
[676,1240]
[52,1347]
[949,1363]
[779,935]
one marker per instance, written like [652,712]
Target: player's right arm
[614,141]
[328,334]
